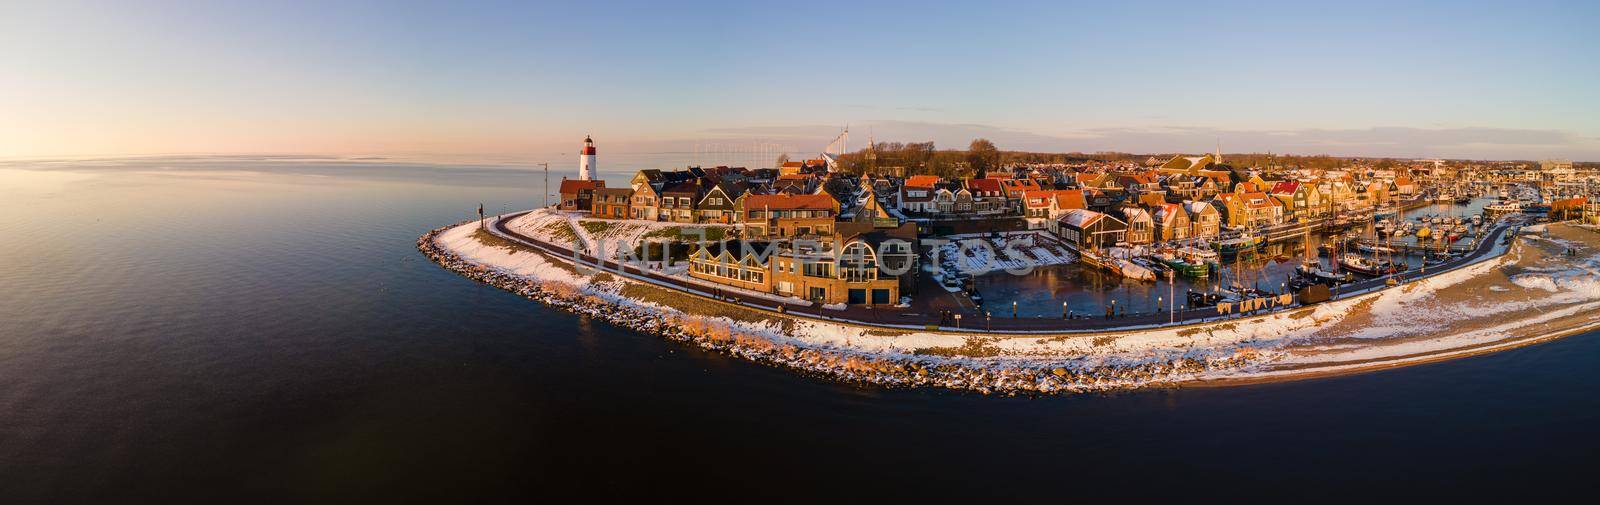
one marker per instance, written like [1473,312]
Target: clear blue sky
[1501,80]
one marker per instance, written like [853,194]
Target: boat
[1156,267]
[1133,271]
[1477,220]
[1236,245]
[1207,256]
[1203,299]
[1312,271]
[1504,206]
[1424,233]
[1374,249]
[1364,265]
[1444,197]
[1190,267]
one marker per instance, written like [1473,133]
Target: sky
[524,81]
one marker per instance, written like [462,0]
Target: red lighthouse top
[588,145]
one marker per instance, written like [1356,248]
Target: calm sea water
[233,330]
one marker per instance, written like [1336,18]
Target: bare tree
[982,156]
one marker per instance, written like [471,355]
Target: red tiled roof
[790,202]
[575,185]
[984,185]
[922,181]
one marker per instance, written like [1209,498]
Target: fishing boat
[1424,233]
[1207,256]
[1312,271]
[1364,265]
[1504,207]
[1444,197]
[1374,249]
[1236,245]
[1193,268]
[1477,220]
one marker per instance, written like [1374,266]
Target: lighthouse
[586,160]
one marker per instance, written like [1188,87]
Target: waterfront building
[611,203]
[1377,193]
[678,201]
[1231,208]
[1172,222]
[1204,220]
[645,204]
[578,195]
[737,263]
[1050,204]
[1089,230]
[1404,186]
[1141,227]
[719,205]
[586,166]
[782,215]
[1298,198]
[864,269]
[1260,209]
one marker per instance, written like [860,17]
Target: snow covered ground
[1530,292]
[614,234]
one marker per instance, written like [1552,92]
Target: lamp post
[988,321]
[546,185]
[1064,314]
[1113,308]
[1013,309]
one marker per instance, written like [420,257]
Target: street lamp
[1013,309]
[1064,314]
[1113,308]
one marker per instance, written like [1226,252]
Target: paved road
[972,319]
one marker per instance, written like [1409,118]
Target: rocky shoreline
[833,364]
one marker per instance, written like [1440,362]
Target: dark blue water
[198,334]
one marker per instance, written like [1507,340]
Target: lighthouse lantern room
[586,160]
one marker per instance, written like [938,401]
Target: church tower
[586,160]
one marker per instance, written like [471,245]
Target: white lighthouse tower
[586,160]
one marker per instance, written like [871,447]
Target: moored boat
[1236,245]
[1364,265]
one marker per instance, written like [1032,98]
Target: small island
[1059,277]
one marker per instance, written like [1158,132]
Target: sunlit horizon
[505,80]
